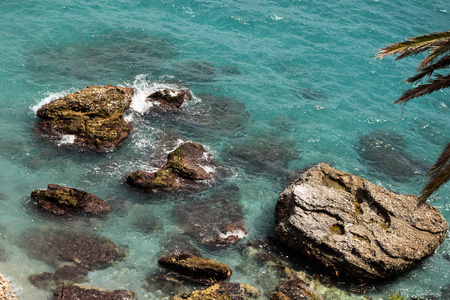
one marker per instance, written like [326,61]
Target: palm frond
[438,83]
[415,45]
[440,50]
[442,63]
[438,175]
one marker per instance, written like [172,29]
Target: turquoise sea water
[279,85]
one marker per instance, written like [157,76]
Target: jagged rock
[6,292]
[216,222]
[223,291]
[93,115]
[86,250]
[196,269]
[295,289]
[79,292]
[65,201]
[170,99]
[184,165]
[356,228]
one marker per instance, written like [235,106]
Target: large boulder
[84,249]
[356,228]
[65,201]
[196,269]
[223,291]
[6,292]
[93,116]
[170,99]
[185,165]
[79,292]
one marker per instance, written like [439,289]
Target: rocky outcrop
[94,116]
[170,99]
[223,291]
[196,269]
[295,289]
[76,291]
[6,292]
[66,275]
[354,227]
[216,221]
[84,249]
[65,201]
[184,166]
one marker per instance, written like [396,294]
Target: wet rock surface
[94,116]
[170,99]
[223,291]
[354,227]
[385,152]
[79,292]
[6,292]
[196,269]
[216,221]
[66,275]
[295,289]
[84,249]
[184,166]
[66,201]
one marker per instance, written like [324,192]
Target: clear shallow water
[298,76]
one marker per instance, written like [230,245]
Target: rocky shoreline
[352,229]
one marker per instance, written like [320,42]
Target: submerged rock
[43,281]
[65,201]
[66,275]
[184,166]
[216,221]
[354,227]
[93,116]
[76,291]
[6,292]
[194,71]
[223,291]
[295,289]
[170,99]
[384,152]
[84,249]
[196,269]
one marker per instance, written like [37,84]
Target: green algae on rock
[295,289]
[196,269]
[93,115]
[65,201]
[184,166]
[223,291]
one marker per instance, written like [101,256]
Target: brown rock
[223,291]
[196,269]
[184,166]
[170,99]
[79,292]
[43,281]
[94,115]
[86,250]
[6,292]
[354,227]
[65,201]
[71,274]
[295,289]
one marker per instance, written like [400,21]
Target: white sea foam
[239,233]
[67,139]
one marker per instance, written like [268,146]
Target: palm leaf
[415,45]
[438,83]
[442,63]
[440,50]
[438,175]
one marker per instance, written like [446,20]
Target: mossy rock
[187,160]
[94,115]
